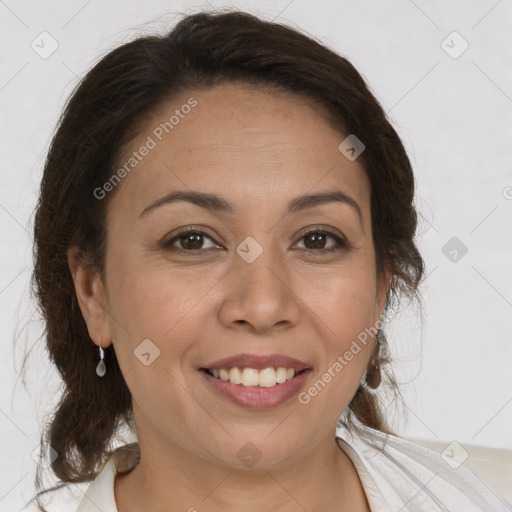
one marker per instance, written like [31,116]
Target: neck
[173,479]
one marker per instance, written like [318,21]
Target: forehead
[248,144]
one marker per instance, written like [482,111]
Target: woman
[225,223]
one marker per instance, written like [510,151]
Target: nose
[259,296]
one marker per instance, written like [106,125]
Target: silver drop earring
[101,369]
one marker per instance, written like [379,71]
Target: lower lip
[254,397]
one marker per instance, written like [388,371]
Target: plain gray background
[453,110]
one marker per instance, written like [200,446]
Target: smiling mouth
[252,377]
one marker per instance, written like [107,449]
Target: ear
[91,298]
[383,287]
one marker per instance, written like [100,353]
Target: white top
[397,476]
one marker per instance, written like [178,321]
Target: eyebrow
[216,203]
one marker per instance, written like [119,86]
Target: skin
[258,150]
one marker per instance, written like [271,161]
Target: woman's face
[247,282]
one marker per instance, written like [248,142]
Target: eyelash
[341,244]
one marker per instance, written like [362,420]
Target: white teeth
[235,375]
[251,377]
[281,375]
[267,378]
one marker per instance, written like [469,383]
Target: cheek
[170,306]
[153,331]
[345,307]
[344,299]
[167,306]
[345,312]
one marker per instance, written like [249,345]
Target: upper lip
[258,362]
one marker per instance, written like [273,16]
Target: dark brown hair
[108,104]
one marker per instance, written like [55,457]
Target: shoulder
[94,496]
[412,477]
[100,493]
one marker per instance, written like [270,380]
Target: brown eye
[190,240]
[193,241]
[317,240]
